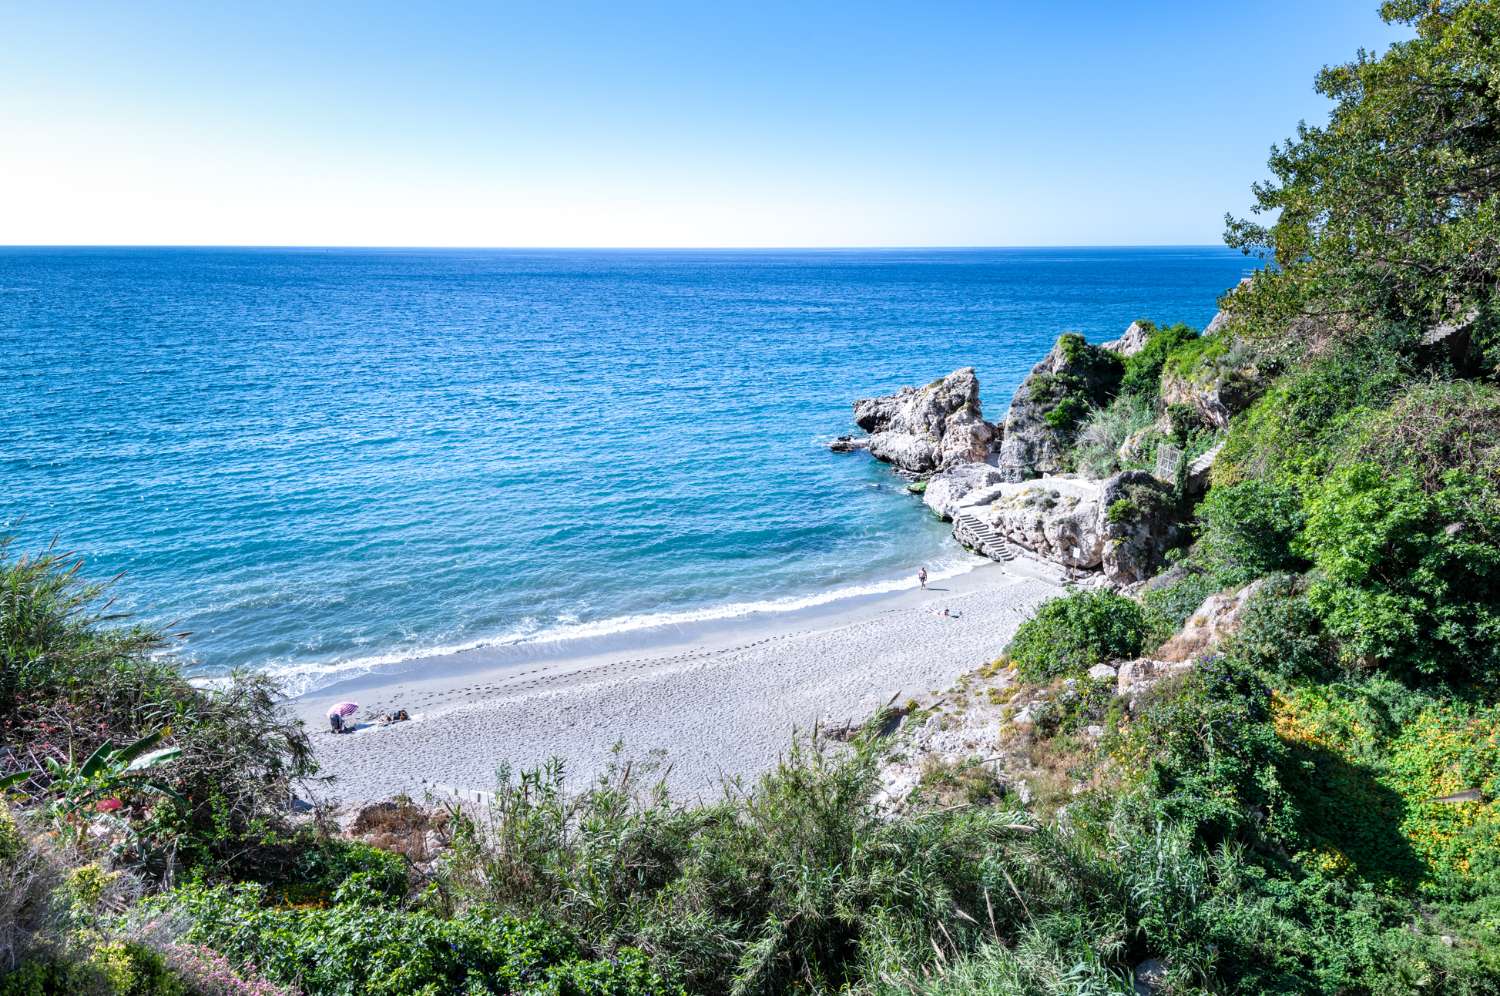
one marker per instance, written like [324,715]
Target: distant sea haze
[314,460]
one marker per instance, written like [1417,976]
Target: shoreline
[715,699]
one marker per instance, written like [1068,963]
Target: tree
[1392,210]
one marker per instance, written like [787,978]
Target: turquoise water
[313,460]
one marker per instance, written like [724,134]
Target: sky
[697,124]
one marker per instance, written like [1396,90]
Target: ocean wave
[299,678]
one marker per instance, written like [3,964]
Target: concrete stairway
[979,536]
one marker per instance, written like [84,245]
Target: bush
[1167,606]
[1409,580]
[1280,634]
[1142,376]
[1096,453]
[1290,434]
[72,676]
[1071,634]
[349,949]
[1249,529]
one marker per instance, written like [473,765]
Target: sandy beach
[715,703]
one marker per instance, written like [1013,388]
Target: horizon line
[611,248]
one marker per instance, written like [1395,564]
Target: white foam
[300,678]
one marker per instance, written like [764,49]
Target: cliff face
[1072,378]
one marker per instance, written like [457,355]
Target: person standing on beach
[922,577]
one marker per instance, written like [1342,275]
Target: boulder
[925,429]
[1139,521]
[849,444]
[1073,377]
[1149,977]
[1216,394]
[947,488]
[1215,619]
[1103,672]
[1140,676]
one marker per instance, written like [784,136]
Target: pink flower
[108,805]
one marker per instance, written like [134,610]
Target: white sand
[718,703]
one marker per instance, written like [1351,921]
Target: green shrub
[1071,634]
[1096,453]
[1142,376]
[1291,433]
[1280,633]
[1167,607]
[351,948]
[1191,357]
[1409,580]
[1249,529]
[71,677]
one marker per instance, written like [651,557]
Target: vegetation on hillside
[1313,808]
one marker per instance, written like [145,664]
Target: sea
[316,461]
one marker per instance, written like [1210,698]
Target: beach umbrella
[344,709]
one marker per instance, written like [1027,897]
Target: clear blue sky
[692,124]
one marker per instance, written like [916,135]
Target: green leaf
[154,758]
[142,745]
[16,779]
[97,760]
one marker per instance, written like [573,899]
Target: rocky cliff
[1046,409]
[926,429]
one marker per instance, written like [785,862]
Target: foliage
[1096,452]
[1142,377]
[1087,378]
[355,948]
[1290,434]
[1070,634]
[1409,580]
[1249,529]
[74,682]
[802,880]
[1280,633]
[1392,209]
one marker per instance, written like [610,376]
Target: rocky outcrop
[1216,395]
[1132,342]
[1056,519]
[1122,526]
[1140,524]
[1138,677]
[947,488]
[926,429]
[1046,408]
[1217,618]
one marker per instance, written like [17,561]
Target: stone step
[971,528]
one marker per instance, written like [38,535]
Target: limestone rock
[1132,342]
[1140,676]
[925,429]
[947,488]
[1055,518]
[1072,374]
[849,444]
[1103,672]
[1217,395]
[1139,523]
[1122,526]
[1215,619]
[1149,977]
